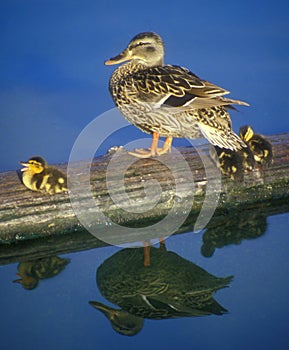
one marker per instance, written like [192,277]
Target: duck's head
[121,321]
[147,47]
[27,282]
[35,164]
[246,132]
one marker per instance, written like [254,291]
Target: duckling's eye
[32,162]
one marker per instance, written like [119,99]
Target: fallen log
[183,180]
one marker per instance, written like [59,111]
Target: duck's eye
[150,48]
[133,46]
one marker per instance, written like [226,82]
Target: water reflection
[170,287]
[32,271]
[232,229]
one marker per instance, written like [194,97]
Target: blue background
[53,81]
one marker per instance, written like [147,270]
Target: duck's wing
[173,86]
[56,181]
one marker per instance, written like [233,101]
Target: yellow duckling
[31,272]
[39,176]
[259,146]
[248,159]
[229,162]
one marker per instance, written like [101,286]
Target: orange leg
[154,145]
[167,145]
[146,254]
[162,244]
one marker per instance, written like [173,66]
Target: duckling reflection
[233,229]
[170,287]
[31,272]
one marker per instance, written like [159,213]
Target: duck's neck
[125,69]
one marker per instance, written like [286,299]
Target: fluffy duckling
[31,272]
[229,162]
[248,159]
[37,175]
[259,146]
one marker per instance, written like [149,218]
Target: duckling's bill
[25,164]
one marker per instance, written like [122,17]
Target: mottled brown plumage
[170,287]
[169,100]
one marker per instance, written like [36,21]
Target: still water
[231,296]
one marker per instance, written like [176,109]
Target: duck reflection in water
[170,287]
[30,272]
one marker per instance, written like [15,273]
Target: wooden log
[27,215]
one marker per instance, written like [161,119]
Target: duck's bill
[124,56]
[19,280]
[109,312]
[25,165]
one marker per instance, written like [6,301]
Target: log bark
[33,223]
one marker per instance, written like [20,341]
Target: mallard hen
[168,100]
[170,287]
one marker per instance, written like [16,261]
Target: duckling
[39,176]
[229,162]
[248,159]
[259,146]
[32,271]
[167,100]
